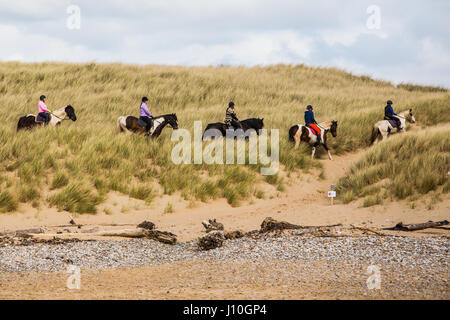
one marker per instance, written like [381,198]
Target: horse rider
[145,115]
[389,114]
[43,111]
[311,122]
[231,118]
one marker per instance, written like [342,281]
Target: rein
[62,119]
[323,128]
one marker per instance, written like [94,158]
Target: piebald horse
[383,128]
[130,124]
[300,132]
[57,116]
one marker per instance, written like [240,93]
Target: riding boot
[318,140]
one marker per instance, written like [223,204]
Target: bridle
[62,119]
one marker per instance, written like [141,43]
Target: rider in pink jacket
[43,111]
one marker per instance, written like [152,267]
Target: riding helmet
[42,97]
[389,102]
[231,104]
[309,107]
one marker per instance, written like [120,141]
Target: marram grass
[403,166]
[73,167]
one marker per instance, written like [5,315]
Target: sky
[399,41]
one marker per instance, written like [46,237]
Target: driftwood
[212,225]
[367,229]
[419,226]
[127,233]
[147,225]
[161,236]
[230,235]
[211,241]
[23,231]
[27,240]
[270,224]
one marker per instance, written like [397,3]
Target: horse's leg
[313,152]
[328,150]
[297,140]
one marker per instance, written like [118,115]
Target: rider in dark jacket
[311,122]
[389,114]
[230,117]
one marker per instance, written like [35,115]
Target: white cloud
[411,44]
[433,54]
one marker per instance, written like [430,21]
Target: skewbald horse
[130,124]
[57,116]
[383,128]
[300,132]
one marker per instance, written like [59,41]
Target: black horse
[251,123]
[57,116]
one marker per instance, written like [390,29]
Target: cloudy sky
[405,41]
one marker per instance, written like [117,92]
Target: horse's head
[70,112]
[172,120]
[333,128]
[261,123]
[410,117]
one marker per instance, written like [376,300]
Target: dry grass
[73,167]
[403,166]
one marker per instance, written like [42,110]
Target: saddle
[39,119]
[314,131]
[141,123]
[393,123]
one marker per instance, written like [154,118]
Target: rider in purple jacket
[145,115]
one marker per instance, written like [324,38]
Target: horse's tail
[119,126]
[375,132]
[292,131]
[204,136]
[20,123]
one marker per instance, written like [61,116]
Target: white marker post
[332,194]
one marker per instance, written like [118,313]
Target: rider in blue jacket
[311,122]
[389,114]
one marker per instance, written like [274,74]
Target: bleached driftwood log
[418,226]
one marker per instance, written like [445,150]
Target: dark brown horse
[131,124]
[57,116]
[300,132]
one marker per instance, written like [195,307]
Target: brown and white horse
[383,128]
[300,132]
[57,116]
[130,124]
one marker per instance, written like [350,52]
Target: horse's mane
[325,124]
[165,115]
[404,112]
[62,109]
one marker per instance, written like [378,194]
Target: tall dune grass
[404,166]
[73,167]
